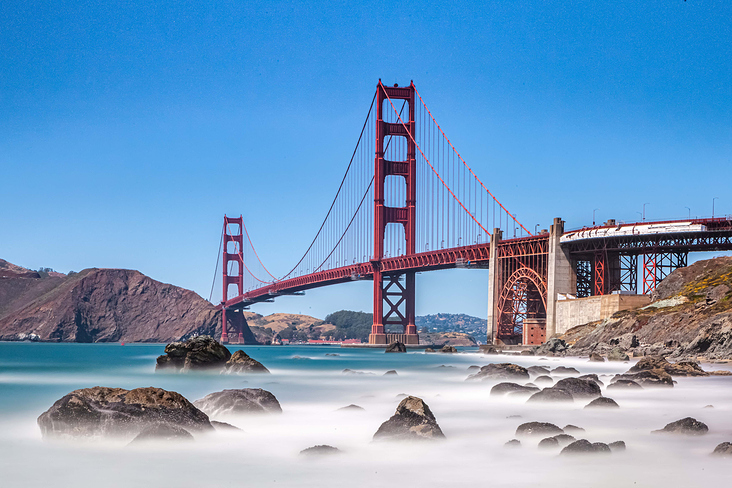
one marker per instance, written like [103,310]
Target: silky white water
[312,387]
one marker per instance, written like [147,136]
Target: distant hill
[454,322]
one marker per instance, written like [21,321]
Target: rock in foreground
[240,362]
[687,426]
[584,446]
[396,347]
[723,449]
[162,432]
[602,402]
[551,395]
[322,450]
[538,428]
[579,388]
[413,420]
[102,411]
[502,371]
[238,402]
[199,353]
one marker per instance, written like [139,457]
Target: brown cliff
[101,305]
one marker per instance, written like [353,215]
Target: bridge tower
[389,290]
[236,255]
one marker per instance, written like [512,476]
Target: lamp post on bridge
[715,198]
[687,208]
[593,216]
[644,210]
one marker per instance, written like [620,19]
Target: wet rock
[391,372]
[723,449]
[502,371]
[548,443]
[321,450]
[650,378]
[552,347]
[413,420]
[238,402]
[396,347]
[504,388]
[602,402]
[332,354]
[551,395]
[685,368]
[625,341]
[538,370]
[448,349]
[162,432]
[473,368]
[709,406]
[573,429]
[488,349]
[721,372]
[649,363]
[617,446]
[564,370]
[444,367]
[355,372]
[617,354]
[538,428]
[223,426]
[199,353]
[543,380]
[583,446]
[686,426]
[624,385]
[592,377]
[526,352]
[513,443]
[240,362]
[351,408]
[102,411]
[596,358]
[564,439]
[429,349]
[579,388]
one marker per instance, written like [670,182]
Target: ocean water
[311,387]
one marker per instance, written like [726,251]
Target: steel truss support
[600,273]
[656,266]
[583,270]
[384,215]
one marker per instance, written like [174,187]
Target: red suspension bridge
[408,202]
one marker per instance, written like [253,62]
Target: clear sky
[126,132]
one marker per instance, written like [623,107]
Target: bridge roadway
[636,238]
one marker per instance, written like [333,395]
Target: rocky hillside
[100,305]
[446,338]
[690,317]
[288,326]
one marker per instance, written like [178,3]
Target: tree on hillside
[350,324]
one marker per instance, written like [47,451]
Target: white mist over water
[311,390]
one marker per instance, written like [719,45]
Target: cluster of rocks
[554,437]
[203,353]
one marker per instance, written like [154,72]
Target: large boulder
[102,411]
[653,377]
[685,368]
[240,362]
[538,370]
[596,358]
[552,347]
[413,420]
[238,402]
[449,349]
[583,446]
[624,385]
[505,388]
[321,450]
[648,363]
[199,353]
[617,354]
[686,426]
[538,428]
[602,402]
[553,395]
[579,388]
[396,347]
[162,432]
[502,371]
[723,449]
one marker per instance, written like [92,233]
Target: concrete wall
[573,312]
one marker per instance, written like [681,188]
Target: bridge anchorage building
[429,212]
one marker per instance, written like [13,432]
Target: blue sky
[126,132]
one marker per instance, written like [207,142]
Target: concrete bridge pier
[493,286]
[561,276]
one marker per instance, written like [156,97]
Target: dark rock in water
[447,348]
[502,371]
[617,446]
[602,402]
[223,426]
[617,354]
[709,406]
[445,367]
[548,443]
[513,443]
[351,408]
[592,377]
[552,347]
[687,426]
[396,347]
[537,370]
[624,385]
[429,349]
[685,368]
[649,378]
[240,362]
[391,372]
[332,354]
[538,428]
[573,428]
[564,370]
[322,450]
[543,380]
[564,439]
[579,388]
[413,420]
[649,362]
[300,357]
[200,353]
[597,358]
[526,352]
[723,449]
[551,395]
[102,411]
[354,372]
[238,402]
[162,432]
[584,446]
[473,368]
[504,388]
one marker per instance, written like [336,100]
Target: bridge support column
[411,329]
[494,286]
[377,335]
[224,333]
[561,277]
